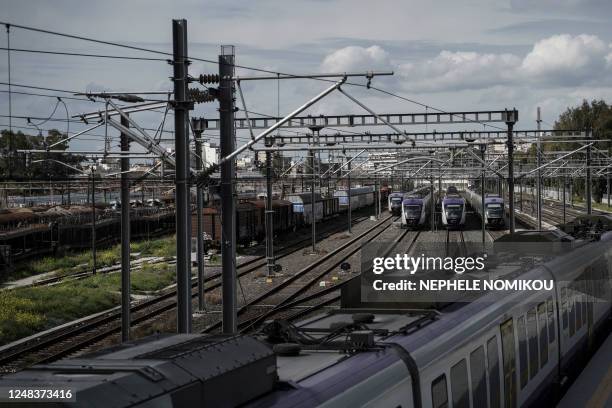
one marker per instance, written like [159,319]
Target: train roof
[354,191]
[303,198]
[453,199]
[536,236]
[412,200]
[494,200]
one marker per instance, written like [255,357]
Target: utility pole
[198,124]
[125,235]
[433,203]
[269,215]
[483,148]
[510,118]
[564,199]
[228,205]
[348,192]
[608,189]
[312,201]
[181,122]
[376,195]
[588,181]
[538,173]
[93,218]
[520,187]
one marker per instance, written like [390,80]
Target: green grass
[63,265]
[25,311]
[598,206]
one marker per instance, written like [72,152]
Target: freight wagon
[360,197]
[250,221]
[302,206]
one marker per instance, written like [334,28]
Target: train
[28,233]
[360,197]
[290,214]
[502,349]
[416,207]
[394,202]
[453,209]
[494,212]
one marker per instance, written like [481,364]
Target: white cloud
[459,70]
[558,61]
[354,58]
[566,59]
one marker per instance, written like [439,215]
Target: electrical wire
[78,54]
[49,96]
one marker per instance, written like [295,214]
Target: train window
[493,362]
[551,320]
[585,303]
[439,395]
[479,383]
[543,334]
[572,314]
[564,307]
[578,308]
[532,332]
[459,385]
[507,337]
[522,339]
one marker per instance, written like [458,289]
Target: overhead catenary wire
[79,54]
[278,73]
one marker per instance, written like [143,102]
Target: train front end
[412,212]
[494,212]
[453,211]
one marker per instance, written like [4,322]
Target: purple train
[453,209]
[416,207]
[494,211]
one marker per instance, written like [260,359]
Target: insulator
[209,78]
[199,96]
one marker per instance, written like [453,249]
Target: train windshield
[495,210]
[454,210]
[412,211]
[396,199]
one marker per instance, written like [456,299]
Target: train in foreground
[502,349]
[453,209]
[416,207]
[494,210]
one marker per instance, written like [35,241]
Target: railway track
[252,312]
[85,273]
[309,297]
[552,211]
[76,336]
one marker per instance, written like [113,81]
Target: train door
[509,363]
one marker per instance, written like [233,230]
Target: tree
[595,116]
[17,166]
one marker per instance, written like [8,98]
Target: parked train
[416,207]
[360,197]
[394,202]
[288,215]
[453,209]
[494,211]
[504,349]
[28,233]
[508,349]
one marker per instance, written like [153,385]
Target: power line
[39,88]
[50,96]
[79,54]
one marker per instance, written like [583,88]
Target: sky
[455,55]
